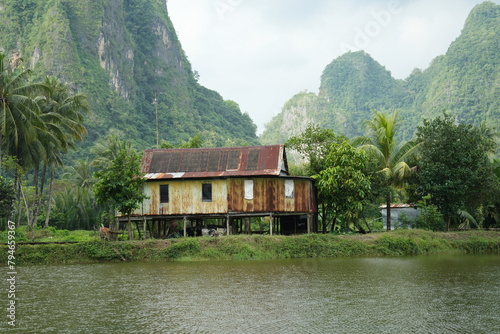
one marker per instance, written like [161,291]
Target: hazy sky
[259,53]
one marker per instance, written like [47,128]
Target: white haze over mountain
[260,53]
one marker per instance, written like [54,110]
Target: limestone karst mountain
[126,57]
[465,82]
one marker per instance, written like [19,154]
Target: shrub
[181,248]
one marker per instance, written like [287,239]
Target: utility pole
[155,102]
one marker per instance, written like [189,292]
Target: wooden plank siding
[228,196]
[184,198]
[304,196]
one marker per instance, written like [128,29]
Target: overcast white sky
[259,53]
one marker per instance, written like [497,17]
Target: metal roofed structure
[224,187]
[214,162]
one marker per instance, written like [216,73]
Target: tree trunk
[17,182]
[325,218]
[367,225]
[49,201]
[388,208]
[334,222]
[27,209]
[129,229]
[38,199]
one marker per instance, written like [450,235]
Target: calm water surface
[443,294]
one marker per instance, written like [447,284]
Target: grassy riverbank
[244,247]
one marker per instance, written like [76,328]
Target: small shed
[230,185]
[398,211]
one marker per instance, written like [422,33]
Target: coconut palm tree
[80,174]
[38,122]
[63,114]
[390,158]
[109,150]
[20,121]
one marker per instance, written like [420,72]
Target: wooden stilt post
[247,225]
[185,226]
[145,226]
[309,223]
[271,222]
[227,225]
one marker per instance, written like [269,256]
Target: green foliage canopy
[121,183]
[453,166]
[343,185]
[338,168]
[389,158]
[7,196]
[313,145]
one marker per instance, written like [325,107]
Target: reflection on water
[451,294]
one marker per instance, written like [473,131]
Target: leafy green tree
[75,205]
[453,166]
[20,121]
[343,185]
[80,174]
[63,114]
[338,168]
[7,197]
[313,145]
[494,208]
[76,208]
[121,184]
[194,142]
[38,122]
[107,150]
[390,159]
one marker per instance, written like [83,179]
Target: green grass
[50,234]
[249,247]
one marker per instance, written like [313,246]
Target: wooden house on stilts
[221,189]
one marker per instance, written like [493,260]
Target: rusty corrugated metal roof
[215,162]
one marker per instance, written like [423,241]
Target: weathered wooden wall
[184,198]
[228,195]
[269,196]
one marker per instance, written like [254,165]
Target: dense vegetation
[126,57]
[447,163]
[447,167]
[354,86]
[96,76]
[257,247]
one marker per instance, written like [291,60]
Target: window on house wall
[248,189]
[206,192]
[289,188]
[164,193]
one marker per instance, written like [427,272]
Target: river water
[432,294]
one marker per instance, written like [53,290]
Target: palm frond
[467,219]
[406,152]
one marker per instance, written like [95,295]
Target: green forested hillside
[465,82]
[124,55]
[355,85]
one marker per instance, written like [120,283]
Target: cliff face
[465,82]
[126,57]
